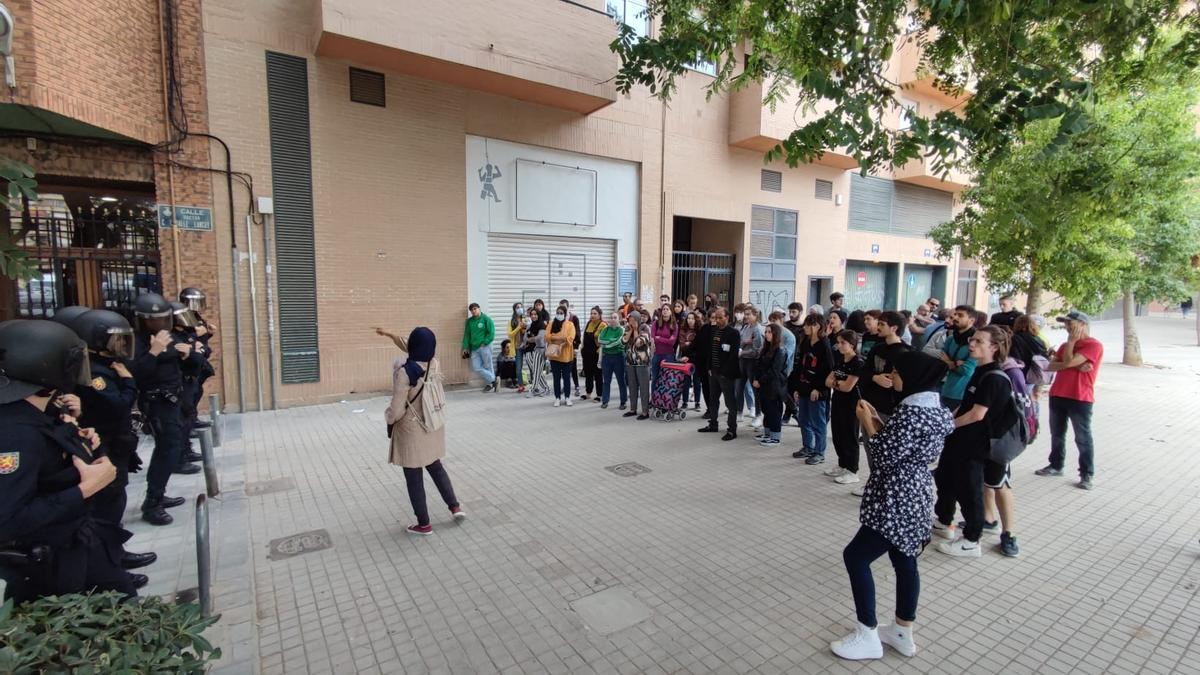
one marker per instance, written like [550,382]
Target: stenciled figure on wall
[488,174]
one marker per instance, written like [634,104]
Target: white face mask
[738,316]
[560,316]
[520,310]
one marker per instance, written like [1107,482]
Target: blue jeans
[520,369]
[814,421]
[481,363]
[865,548]
[1079,414]
[561,374]
[612,365]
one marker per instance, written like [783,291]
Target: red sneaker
[521,389]
[423,530]
[458,513]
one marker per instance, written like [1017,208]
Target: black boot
[729,435]
[710,429]
[191,457]
[188,469]
[201,424]
[171,502]
[132,561]
[139,580]
[155,514]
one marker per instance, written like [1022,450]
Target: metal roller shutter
[870,203]
[917,210]
[523,268]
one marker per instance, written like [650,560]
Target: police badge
[99,384]
[9,461]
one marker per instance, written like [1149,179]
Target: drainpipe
[268,249]
[254,312]
[662,203]
[162,59]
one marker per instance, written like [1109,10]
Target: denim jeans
[865,548]
[814,421]
[612,365]
[415,479]
[520,368]
[561,374]
[481,363]
[1079,414]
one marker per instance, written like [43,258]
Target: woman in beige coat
[412,447]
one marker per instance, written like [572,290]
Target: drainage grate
[299,544]
[628,469]
[266,487]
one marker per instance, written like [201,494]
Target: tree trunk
[1033,302]
[1133,348]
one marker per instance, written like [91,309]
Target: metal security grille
[700,273]
[96,257]
[367,86]
[880,205]
[291,174]
[771,181]
[824,190]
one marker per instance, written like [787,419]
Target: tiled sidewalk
[728,552]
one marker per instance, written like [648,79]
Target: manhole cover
[299,544]
[628,469]
[611,610]
[265,487]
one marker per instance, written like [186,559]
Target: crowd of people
[944,386]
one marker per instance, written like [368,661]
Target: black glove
[135,462]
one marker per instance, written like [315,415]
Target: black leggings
[591,372]
[865,548]
[844,424]
[416,489]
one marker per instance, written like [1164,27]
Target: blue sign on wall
[874,248]
[185,217]
[627,281]
[912,279]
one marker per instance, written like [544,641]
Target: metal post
[203,556]
[254,313]
[210,463]
[214,415]
[268,250]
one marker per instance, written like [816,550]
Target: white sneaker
[570,403]
[758,422]
[943,531]
[860,645]
[846,478]
[960,548]
[557,402]
[858,491]
[834,471]
[898,637]
[749,414]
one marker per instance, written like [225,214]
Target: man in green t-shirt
[478,335]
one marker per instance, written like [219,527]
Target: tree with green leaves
[19,187]
[1112,212]
[1022,61]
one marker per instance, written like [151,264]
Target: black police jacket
[156,373]
[196,364]
[40,500]
[108,403]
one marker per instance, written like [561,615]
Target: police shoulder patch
[99,384]
[9,461]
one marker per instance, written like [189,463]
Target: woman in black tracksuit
[770,383]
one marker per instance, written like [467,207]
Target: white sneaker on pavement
[960,548]
[846,478]
[860,645]
[570,402]
[557,402]
[834,471]
[758,422]
[943,531]
[898,637]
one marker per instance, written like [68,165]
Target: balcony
[550,52]
[918,172]
[913,78]
[753,126]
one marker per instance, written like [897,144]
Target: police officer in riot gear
[193,369]
[65,315]
[156,368]
[49,542]
[107,406]
[197,301]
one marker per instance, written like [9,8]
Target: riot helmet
[105,331]
[183,316]
[194,298]
[153,312]
[66,315]
[37,355]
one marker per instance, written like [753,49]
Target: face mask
[560,316]
[738,316]
[520,310]
[527,321]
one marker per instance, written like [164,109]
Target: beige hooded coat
[411,445]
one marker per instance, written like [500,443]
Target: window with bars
[773,234]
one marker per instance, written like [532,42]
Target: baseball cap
[1076,316]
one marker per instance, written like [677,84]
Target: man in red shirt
[1077,363]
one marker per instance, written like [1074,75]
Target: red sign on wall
[862,279]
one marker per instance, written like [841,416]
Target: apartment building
[421,157]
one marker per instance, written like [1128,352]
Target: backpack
[433,403]
[1039,371]
[1010,444]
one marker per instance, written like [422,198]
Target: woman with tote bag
[414,444]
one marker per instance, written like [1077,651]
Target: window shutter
[870,203]
[291,176]
[772,181]
[919,209]
[824,190]
[367,86]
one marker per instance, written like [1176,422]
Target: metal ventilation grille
[367,87]
[772,181]
[824,190]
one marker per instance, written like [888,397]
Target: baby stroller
[668,390]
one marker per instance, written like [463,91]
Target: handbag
[1012,442]
[554,350]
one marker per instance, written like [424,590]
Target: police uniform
[193,370]
[160,386]
[107,406]
[43,512]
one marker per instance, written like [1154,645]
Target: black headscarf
[421,346]
[919,372]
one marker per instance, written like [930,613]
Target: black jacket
[768,372]
[727,352]
[108,403]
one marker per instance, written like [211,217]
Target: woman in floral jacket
[896,504]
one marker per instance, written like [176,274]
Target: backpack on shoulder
[1010,444]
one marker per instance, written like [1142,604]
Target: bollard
[214,416]
[210,462]
[203,557]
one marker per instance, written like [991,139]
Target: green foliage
[1111,208]
[97,633]
[20,185]
[1024,62]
